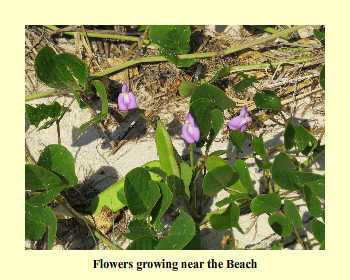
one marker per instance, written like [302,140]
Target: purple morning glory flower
[190,131]
[126,99]
[242,121]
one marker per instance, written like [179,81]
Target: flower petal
[196,133]
[243,127]
[132,101]
[190,119]
[186,135]
[236,123]
[125,87]
[244,112]
[122,105]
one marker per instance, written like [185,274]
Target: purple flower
[190,131]
[126,99]
[242,121]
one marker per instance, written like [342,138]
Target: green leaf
[297,135]
[282,172]
[280,224]
[163,204]
[113,197]
[143,243]
[59,160]
[218,153]
[64,71]
[244,175]
[227,219]
[39,178]
[267,99]
[259,148]
[181,233]
[313,203]
[186,176]
[45,197]
[218,178]
[172,40]
[265,203]
[186,88]
[292,213]
[36,115]
[141,193]
[232,198]
[215,95]
[217,121]
[277,246]
[101,92]
[315,182]
[199,110]
[213,162]
[222,73]
[320,35]
[245,83]
[138,229]
[37,221]
[318,229]
[237,139]
[322,77]
[165,151]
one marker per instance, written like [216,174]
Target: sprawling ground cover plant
[150,190]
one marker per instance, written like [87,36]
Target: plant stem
[300,241]
[95,231]
[99,35]
[58,132]
[38,95]
[122,66]
[260,66]
[191,150]
[228,51]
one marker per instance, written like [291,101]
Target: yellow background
[21,264]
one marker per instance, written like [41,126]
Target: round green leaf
[218,178]
[237,139]
[227,219]
[37,221]
[143,243]
[64,71]
[141,193]
[172,41]
[138,229]
[59,160]
[267,99]
[39,178]
[215,95]
[181,233]
[282,171]
[292,213]
[214,161]
[265,203]
[186,88]
[280,224]
[298,136]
